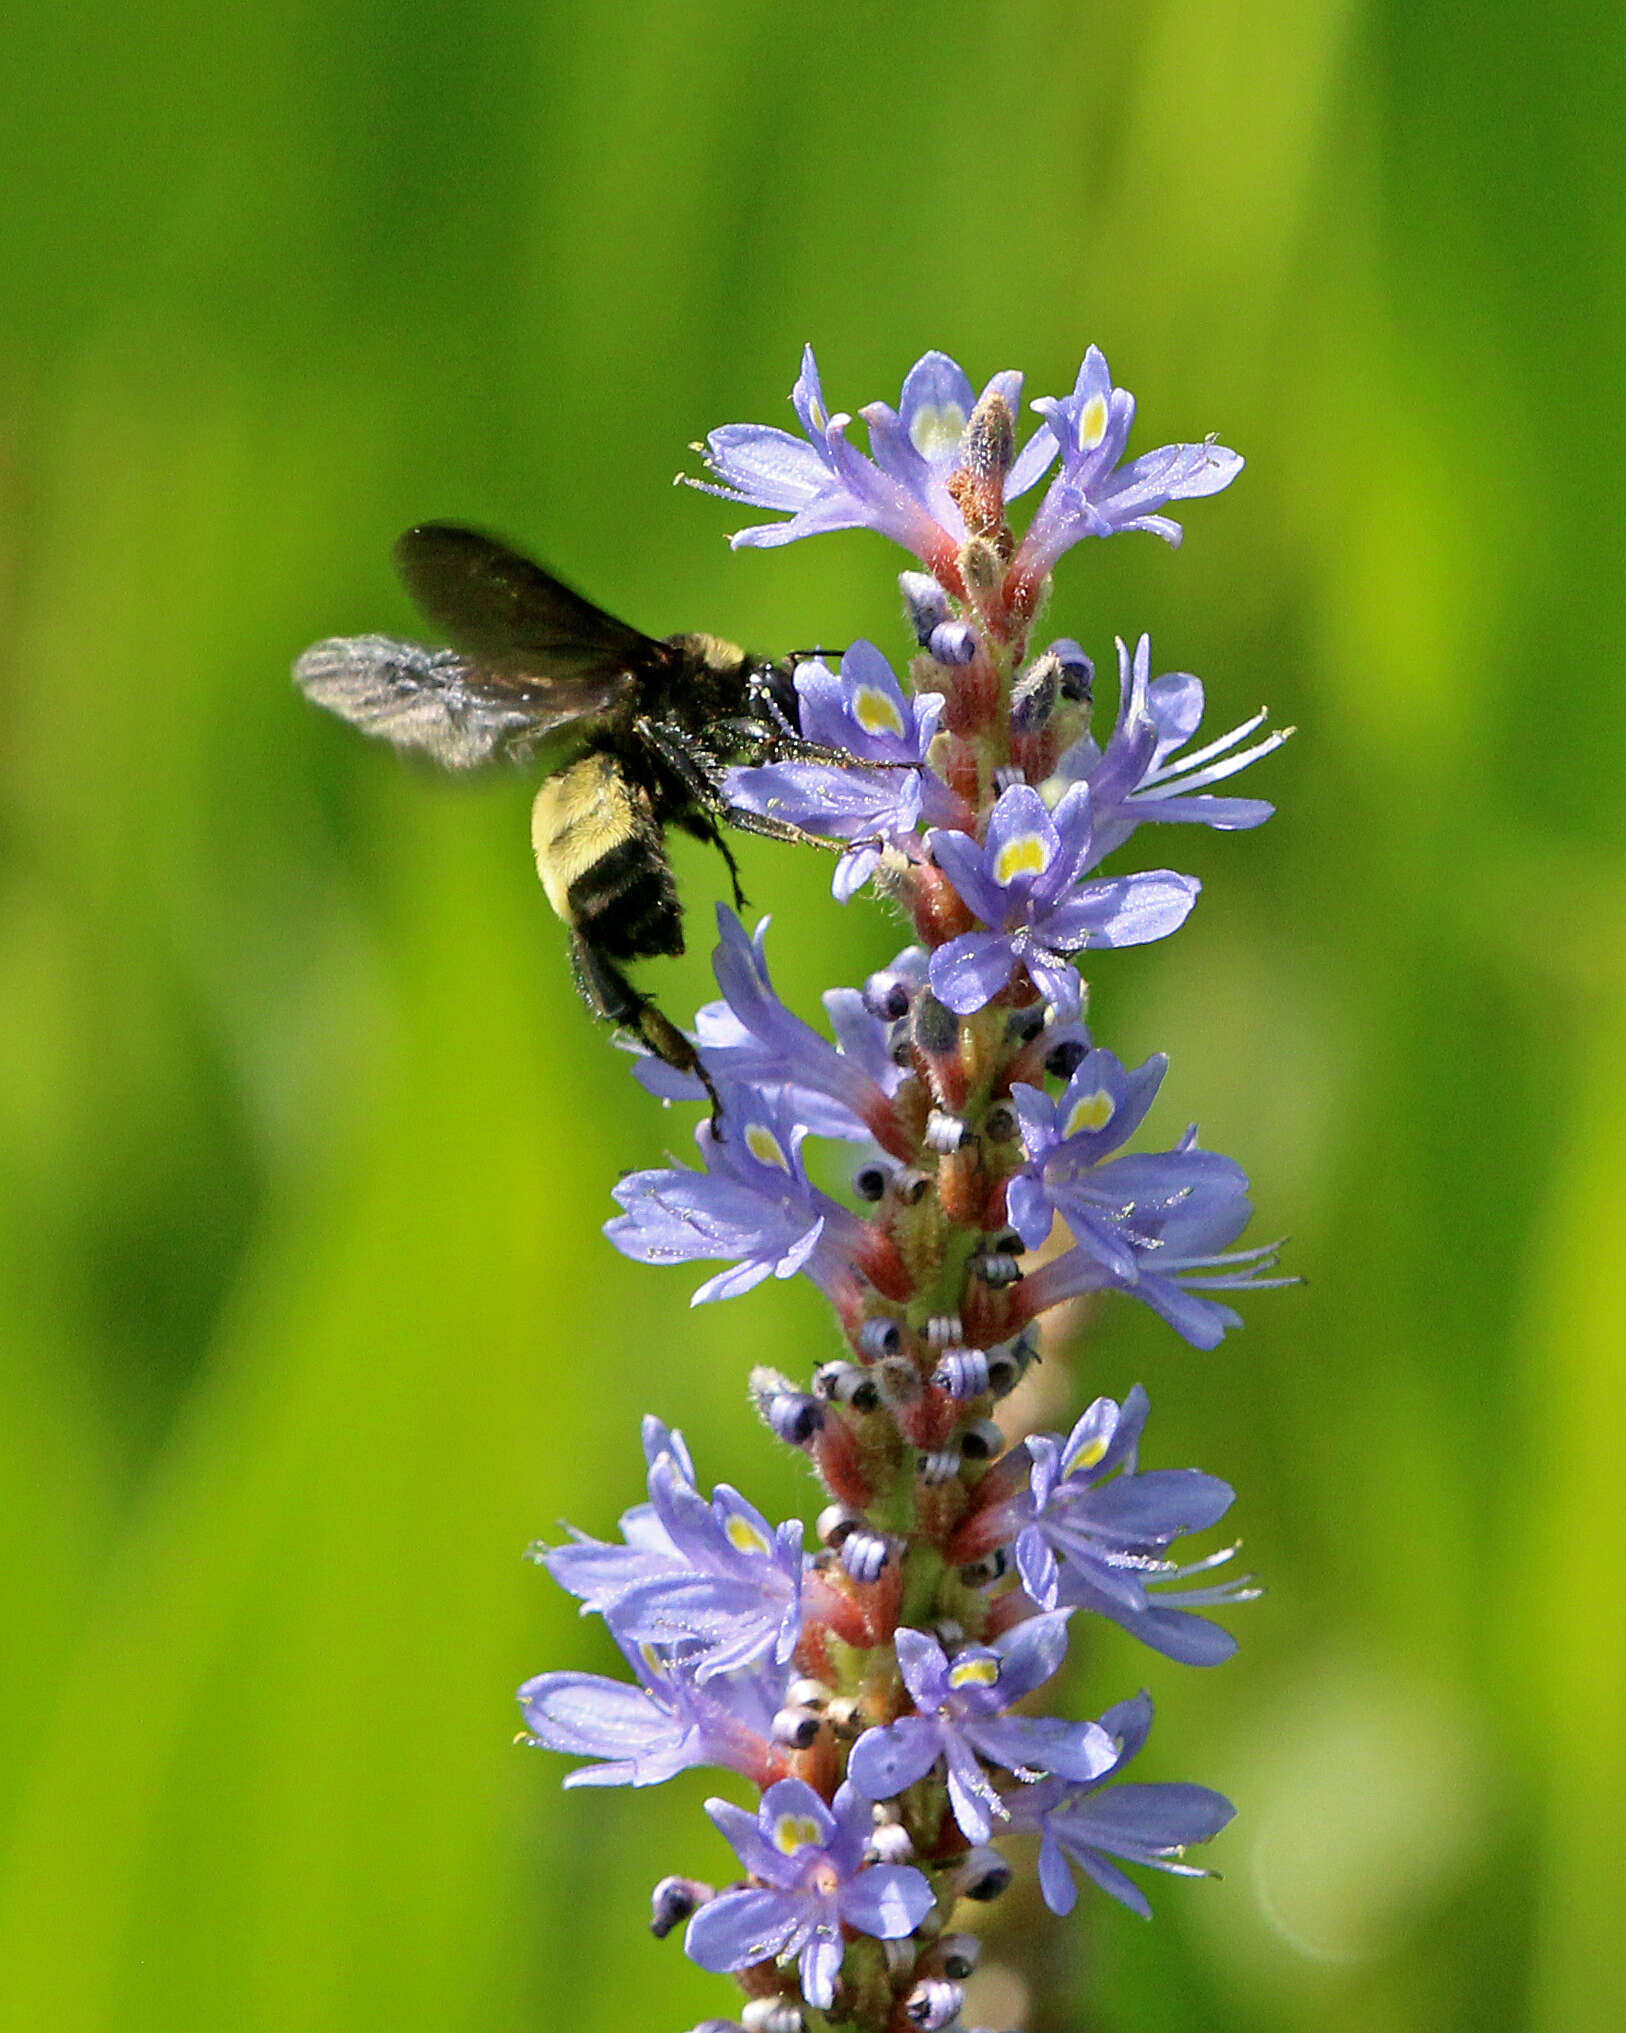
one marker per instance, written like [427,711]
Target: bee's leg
[781,829]
[609,994]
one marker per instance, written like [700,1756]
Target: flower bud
[953,645]
[673,1901]
[955,1956]
[933,2004]
[777,2014]
[879,1337]
[864,1553]
[924,602]
[981,1441]
[981,1874]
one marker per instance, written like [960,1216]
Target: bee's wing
[511,616]
[444,703]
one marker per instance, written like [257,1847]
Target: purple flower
[668,1722]
[1137,776]
[751,1039]
[1092,1531]
[753,1206]
[1176,1213]
[962,1718]
[733,1591]
[1144,1824]
[814,1881]
[865,712]
[1024,884]
[1092,494]
[711,1578]
[1066,1139]
[823,482]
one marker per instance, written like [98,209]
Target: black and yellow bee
[635,735]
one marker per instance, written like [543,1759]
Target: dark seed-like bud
[890,1844]
[953,645]
[910,1185]
[864,1553]
[936,1029]
[946,1133]
[844,1383]
[957,1955]
[879,1338]
[1077,671]
[985,1572]
[796,1728]
[869,1182]
[773,2015]
[962,1372]
[1022,1026]
[1064,1060]
[941,1465]
[1004,1371]
[983,1874]
[925,603]
[673,1901]
[888,994]
[995,1269]
[933,2004]
[1034,695]
[791,1415]
[981,1441]
[836,1523]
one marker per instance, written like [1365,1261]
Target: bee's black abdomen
[626,902]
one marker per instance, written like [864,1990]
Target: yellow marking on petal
[792,1832]
[937,428]
[1092,423]
[765,1147]
[650,1654]
[1027,854]
[744,1537]
[1090,1111]
[1090,1455]
[818,415]
[876,713]
[974,1673]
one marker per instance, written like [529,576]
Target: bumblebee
[635,734]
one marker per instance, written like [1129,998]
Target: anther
[673,1901]
[933,2004]
[943,1330]
[981,1441]
[878,1338]
[865,1553]
[946,1133]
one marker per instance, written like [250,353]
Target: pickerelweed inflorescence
[870,1687]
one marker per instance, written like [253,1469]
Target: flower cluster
[874,1685]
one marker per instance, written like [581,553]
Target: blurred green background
[304,1142]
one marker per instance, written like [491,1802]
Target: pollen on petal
[792,1832]
[876,713]
[765,1147]
[744,1537]
[1090,1111]
[1092,423]
[981,1672]
[1024,854]
[935,429]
